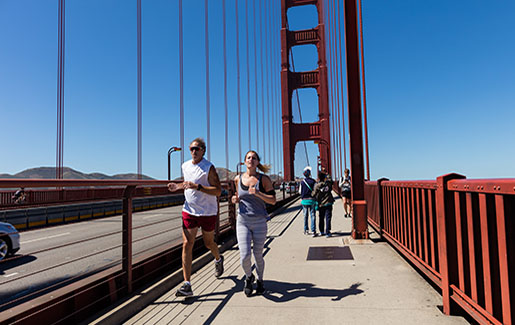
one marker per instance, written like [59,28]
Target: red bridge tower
[318,131]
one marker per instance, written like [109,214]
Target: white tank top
[198,203]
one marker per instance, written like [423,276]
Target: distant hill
[68,173]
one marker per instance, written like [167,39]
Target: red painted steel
[293,132]
[355,121]
[467,247]
[502,243]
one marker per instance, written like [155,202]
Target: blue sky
[440,84]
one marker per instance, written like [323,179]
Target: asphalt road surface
[49,255]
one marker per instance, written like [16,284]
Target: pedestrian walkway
[372,285]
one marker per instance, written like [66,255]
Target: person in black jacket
[308,203]
[324,197]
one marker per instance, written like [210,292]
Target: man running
[201,187]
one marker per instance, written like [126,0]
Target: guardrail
[459,233]
[73,299]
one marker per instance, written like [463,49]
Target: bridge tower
[318,131]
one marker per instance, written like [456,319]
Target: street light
[172,149]
[238,167]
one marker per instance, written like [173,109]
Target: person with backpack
[324,197]
[308,203]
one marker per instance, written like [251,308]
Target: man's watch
[199,187]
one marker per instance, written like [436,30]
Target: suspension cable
[248,73]
[267,69]
[181,83]
[262,78]
[60,91]
[238,78]
[226,114]
[208,108]
[342,121]
[140,167]
[364,88]
[337,101]
[255,79]
[331,77]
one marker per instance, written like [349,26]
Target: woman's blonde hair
[261,167]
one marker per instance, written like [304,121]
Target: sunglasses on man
[195,149]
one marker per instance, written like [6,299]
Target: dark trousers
[324,217]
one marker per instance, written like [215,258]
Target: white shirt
[198,203]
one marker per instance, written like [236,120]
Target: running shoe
[219,267]
[248,285]
[184,291]
[260,287]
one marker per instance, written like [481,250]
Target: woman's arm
[269,196]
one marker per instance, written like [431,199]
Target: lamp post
[172,149]
[238,167]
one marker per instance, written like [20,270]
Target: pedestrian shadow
[285,291]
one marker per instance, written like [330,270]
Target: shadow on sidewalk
[285,291]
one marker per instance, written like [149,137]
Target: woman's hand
[253,190]
[235,199]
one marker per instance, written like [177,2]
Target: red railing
[459,233]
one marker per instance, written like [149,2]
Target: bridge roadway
[375,286]
[36,269]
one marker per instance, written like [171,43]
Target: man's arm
[214,188]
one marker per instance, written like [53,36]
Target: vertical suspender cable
[139,87]
[238,78]
[248,73]
[364,89]
[342,121]
[181,82]
[262,79]
[226,114]
[255,78]
[336,93]
[267,69]
[331,62]
[278,83]
[60,91]
[345,42]
[336,108]
[208,110]
[272,88]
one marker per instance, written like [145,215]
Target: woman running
[254,191]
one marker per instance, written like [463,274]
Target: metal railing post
[127,236]
[446,227]
[380,203]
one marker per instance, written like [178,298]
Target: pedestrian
[308,203]
[345,187]
[201,187]
[324,197]
[19,196]
[254,191]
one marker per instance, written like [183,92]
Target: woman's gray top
[250,205]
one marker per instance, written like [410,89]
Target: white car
[9,240]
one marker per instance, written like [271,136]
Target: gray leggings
[251,229]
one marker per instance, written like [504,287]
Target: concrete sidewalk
[375,286]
